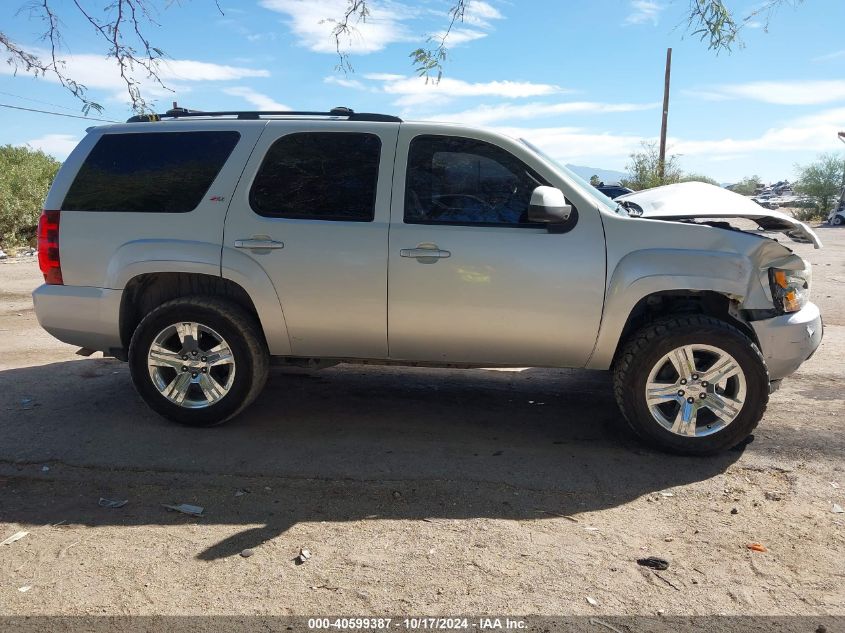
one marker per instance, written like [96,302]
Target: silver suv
[202,247]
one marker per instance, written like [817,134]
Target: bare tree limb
[122,27]
[345,28]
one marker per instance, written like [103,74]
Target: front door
[312,209]
[471,281]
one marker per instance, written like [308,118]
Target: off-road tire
[236,325]
[647,346]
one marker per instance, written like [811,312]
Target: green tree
[822,180]
[643,168]
[25,177]
[747,186]
[699,178]
[595,180]
[122,27]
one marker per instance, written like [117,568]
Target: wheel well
[146,292]
[660,304]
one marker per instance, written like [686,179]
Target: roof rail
[182,113]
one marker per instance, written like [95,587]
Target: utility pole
[661,165]
[842,193]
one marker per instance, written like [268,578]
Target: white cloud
[412,91]
[258,99]
[487,114]
[312,23]
[830,56]
[345,82]
[643,11]
[479,13]
[813,133]
[190,70]
[388,22]
[459,36]
[579,145]
[799,92]
[99,72]
[816,132]
[58,145]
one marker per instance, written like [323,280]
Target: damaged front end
[711,205]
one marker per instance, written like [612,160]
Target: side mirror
[548,205]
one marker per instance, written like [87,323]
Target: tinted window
[161,172]
[319,176]
[464,181]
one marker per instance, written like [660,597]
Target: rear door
[312,209]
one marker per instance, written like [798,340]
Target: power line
[55,105]
[72,116]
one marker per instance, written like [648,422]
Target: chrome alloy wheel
[695,390]
[191,365]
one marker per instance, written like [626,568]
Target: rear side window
[160,172]
[319,176]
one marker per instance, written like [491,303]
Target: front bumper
[79,315]
[788,340]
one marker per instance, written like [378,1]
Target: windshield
[609,204]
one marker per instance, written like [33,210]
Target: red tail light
[48,247]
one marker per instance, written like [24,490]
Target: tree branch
[714,22]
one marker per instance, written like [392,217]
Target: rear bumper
[789,340]
[79,315]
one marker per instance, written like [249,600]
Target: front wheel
[198,360]
[693,385]
[837,220]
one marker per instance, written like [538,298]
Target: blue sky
[582,80]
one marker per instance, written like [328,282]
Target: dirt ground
[417,491]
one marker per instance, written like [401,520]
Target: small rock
[25,588]
[757,547]
[821,628]
[837,509]
[661,611]
[774,495]
[14,537]
[592,601]
[247,553]
[45,469]
[185,508]
[240,492]
[734,511]
[668,539]
[397,494]
[304,555]
[653,562]
[112,503]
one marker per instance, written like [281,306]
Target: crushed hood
[691,200]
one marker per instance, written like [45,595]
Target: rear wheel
[198,360]
[691,385]
[837,220]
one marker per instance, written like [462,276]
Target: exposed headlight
[790,288]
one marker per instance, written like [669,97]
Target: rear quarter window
[158,172]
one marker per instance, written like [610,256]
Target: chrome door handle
[258,244]
[424,253]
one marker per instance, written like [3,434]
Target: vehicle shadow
[347,443]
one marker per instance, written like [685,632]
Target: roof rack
[183,113]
